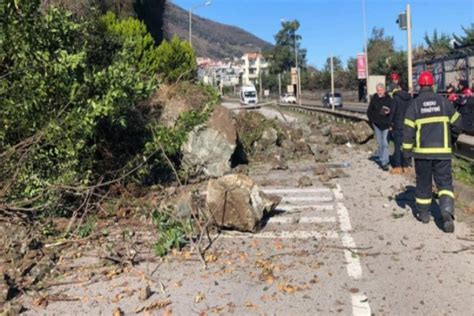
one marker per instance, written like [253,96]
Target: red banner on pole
[361,70]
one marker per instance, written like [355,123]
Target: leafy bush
[172,233]
[136,40]
[69,117]
[177,60]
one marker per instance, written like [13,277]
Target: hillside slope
[163,18]
[211,39]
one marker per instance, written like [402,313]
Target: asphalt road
[350,247]
[350,106]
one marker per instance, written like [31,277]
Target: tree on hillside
[437,45]
[384,59]
[465,42]
[380,47]
[282,56]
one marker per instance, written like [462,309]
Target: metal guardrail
[465,144]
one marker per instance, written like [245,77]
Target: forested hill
[211,39]
[164,19]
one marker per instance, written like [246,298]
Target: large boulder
[362,132]
[182,204]
[236,202]
[340,135]
[209,148]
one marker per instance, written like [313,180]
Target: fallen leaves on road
[117,312]
[145,293]
[199,297]
[287,288]
[160,304]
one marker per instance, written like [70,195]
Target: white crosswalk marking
[300,208]
[306,199]
[301,220]
[283,191]
[299,234]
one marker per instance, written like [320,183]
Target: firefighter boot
[423,213]
[446,204]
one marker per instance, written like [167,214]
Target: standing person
[451,93]
[379,116]
[431,127]
[400,101]
[395,78]
[465,106]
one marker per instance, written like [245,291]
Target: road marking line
[301,220]
[283,234]
[344,219]
[360,305]
[338,193]
[354,268]
[271,190]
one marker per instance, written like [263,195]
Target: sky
[335,27]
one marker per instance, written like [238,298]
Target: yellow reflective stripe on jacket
[434,150]
[430,120]
[445,127]
[410,123]
[407,146]
[455,117]
[423,201]
[430,150]
[446,192]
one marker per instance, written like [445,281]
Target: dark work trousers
[398,160]
[426,170]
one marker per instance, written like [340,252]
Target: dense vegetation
[72,118]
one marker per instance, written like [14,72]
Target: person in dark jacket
[400,102]
[379,115]
[432,126]
[464,104]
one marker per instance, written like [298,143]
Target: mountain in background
[211,39]
[165,19]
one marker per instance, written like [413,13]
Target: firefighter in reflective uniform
[431,126]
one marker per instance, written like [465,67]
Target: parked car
[288,98]
[329,100]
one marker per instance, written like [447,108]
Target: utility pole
[366,52]
[404,22]
[299,86]
[332,84]
[207,3]
[279,87]
[191,27]
[409,51]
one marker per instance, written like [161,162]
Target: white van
[248,95]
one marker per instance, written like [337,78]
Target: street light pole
[366,52]
[297,68]
[409,51]
[332,84]
[207,3]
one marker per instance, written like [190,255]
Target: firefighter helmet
[426,79]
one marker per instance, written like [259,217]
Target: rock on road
[351,248]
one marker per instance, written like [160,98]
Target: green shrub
[70,115]
[138,43]
[177,60]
